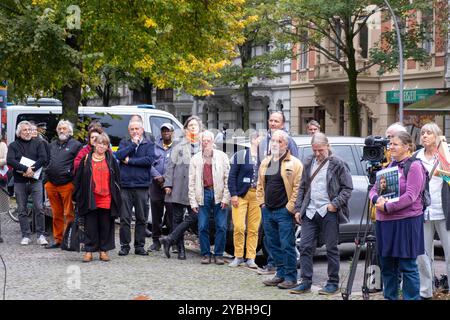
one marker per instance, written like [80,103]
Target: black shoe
[53,246]
[181,251]
[124,251]
[141,252]
[156,246]
[166,242]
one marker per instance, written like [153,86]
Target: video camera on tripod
[375,153]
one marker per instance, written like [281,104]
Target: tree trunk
[246,107]
[148,88]
[353,104]
[71,97]
[107,94]
[246,54]
[71,93]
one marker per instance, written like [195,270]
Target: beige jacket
[220,170]
[291,173]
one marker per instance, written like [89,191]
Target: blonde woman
[437,213]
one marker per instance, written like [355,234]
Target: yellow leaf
[150,23]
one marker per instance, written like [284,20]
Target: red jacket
[84,151]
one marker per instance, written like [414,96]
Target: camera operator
[399,227]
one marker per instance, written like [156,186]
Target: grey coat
[446,203]
[339,187]
[177,173]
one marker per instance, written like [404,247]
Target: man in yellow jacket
[278,184]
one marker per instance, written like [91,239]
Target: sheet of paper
[28,162]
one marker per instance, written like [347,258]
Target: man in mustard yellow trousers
[245,209]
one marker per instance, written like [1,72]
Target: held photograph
[388,183]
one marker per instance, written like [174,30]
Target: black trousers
[181,225]
[99,231]
[137,198]
[311,228]
[157,217]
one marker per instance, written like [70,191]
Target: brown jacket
[291,173]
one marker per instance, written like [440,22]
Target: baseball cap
[41,125]
[167,125]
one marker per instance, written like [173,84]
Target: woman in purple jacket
[399,227]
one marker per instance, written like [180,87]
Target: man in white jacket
[208,192]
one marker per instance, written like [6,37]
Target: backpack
[425,195]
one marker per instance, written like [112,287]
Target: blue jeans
[390,271]
[23,190]
[279,229]
[220,218]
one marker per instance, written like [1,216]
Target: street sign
[409,96]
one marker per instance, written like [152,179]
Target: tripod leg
[351,277]
[372,272]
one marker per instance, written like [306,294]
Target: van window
[155,124]
[50,119]
[116,126]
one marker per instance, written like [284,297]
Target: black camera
[375,149]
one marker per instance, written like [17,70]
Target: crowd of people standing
[189,184]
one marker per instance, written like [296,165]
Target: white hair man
[60,175]
[208,193]
[276,122]
[393,129]
[28,180]
[277,187]
[136,155]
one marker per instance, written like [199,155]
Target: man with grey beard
[59,174]
[26,182]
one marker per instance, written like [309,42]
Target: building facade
[319,87]
[225,107]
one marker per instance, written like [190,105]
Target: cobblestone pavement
[36,273]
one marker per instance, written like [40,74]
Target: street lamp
[400,53]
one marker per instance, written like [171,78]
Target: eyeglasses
[26,130]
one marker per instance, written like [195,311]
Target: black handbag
[71,237]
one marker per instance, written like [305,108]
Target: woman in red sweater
[98,198]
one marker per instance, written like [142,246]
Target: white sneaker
[25,241]
[251,264]
[42,241]
[236,262]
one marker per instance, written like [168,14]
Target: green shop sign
[409,96]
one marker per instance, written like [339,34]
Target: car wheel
[12,211]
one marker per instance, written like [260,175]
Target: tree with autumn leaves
[315,23]
[338,22]
[57,47]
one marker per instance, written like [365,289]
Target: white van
[114,119]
